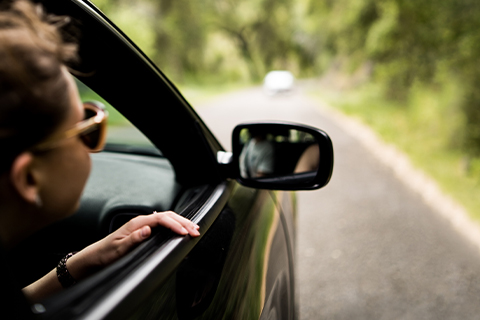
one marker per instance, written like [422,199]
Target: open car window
[122,135]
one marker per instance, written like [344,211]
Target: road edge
[412,177]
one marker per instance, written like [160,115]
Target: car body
[278,81]
[242,265]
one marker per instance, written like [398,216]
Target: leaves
[407,41]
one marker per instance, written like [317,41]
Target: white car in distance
[278,81]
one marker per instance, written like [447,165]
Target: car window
[121,134]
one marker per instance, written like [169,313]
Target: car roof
[115,68]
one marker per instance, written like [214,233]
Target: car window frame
[104,50]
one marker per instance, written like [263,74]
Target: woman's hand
[118,243]
[102,253]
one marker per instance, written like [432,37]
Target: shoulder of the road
[408,174]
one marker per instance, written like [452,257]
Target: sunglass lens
[91,138]
[94,136]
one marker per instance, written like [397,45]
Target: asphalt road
[368,247]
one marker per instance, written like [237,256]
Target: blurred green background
[407,68]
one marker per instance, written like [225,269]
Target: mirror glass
[268,152]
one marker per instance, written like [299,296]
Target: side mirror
[281,156]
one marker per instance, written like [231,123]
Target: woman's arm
[106,251]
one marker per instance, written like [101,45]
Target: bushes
[429,42]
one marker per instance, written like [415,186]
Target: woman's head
[33,88]
[38,100]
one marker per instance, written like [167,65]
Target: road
[368,246]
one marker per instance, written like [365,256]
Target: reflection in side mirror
[267,154]
[309,160]
[282,156]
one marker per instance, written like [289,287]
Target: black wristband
[64,277]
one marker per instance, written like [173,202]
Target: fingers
[120,242]
[139,235]
[167,219]
[137,230]
[177,223]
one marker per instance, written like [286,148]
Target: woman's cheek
[69,178]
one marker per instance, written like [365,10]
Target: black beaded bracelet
[65,278]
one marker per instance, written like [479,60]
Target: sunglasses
[92,131]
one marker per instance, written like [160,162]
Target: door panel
[239,265]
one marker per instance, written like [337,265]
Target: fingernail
[144,232]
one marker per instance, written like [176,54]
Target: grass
[196,94]
[425,127]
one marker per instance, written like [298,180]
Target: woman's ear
[23,178]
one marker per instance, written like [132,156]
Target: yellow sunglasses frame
[100,119]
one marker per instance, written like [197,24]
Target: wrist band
[64,277]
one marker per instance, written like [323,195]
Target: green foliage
[431,42]
[235,40]
[408,42]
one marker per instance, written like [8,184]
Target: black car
[242,265]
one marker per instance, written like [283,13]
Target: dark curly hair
[34,95]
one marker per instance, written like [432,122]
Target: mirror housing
[281,156]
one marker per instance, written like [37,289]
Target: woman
[45,160]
